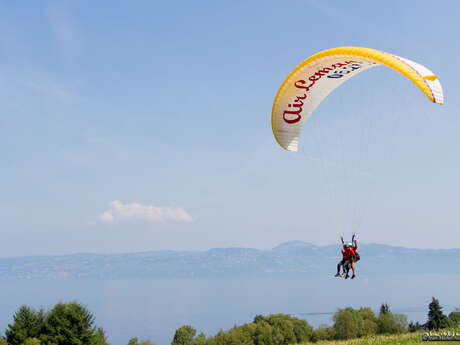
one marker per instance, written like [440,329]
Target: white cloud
[120,212]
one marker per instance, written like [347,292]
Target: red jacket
[349,252]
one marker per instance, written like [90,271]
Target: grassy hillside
[400,339]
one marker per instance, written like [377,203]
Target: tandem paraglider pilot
[349,257]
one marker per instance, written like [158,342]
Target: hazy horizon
[338,245]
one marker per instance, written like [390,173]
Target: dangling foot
[337,275]
[342,275]
[353,276]
[346,277]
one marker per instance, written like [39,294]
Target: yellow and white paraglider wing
[310,82]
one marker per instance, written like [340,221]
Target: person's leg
[338,268]
[346,268]
[353,267]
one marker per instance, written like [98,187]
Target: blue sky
[144,126]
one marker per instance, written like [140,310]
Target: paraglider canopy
[310,83]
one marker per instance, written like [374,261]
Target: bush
[367,314]
[283,332]
[401,322]
[454,318]
[200,339]
[237,336]
[388,324]
[369,328]
[135,341]
[324,332]
[348,324]
[184,336]
[302,330]
[221,338]
[263,334]
[32,341]
[276,329]
[414,327]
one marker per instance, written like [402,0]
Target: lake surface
[154,309]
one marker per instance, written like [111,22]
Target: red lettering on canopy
[300,84]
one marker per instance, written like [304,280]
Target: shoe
[342,275]
[346,277]
[353,276]
[337,275]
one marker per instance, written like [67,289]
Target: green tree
[367,314]
[276,329]
[414,327]
[69,324]
[258,318]
[133,341]
[277,336]
[200,339]
[369,328]
[436,318]
[391,324]
[347,324]
[384,308]
[302,330]
[100,337]
[324,332]
[237,336]
[454,318]
[184,336]
[263,333]
[221,338]
[249,328]
[401,322]
[286,331]
[27,323]
[32,341]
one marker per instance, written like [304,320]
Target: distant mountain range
[290,258]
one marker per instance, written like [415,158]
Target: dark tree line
[281,329]
[65,324]
[437,319]
[72,324]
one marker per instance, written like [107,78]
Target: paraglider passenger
[349,256]
[341,262]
